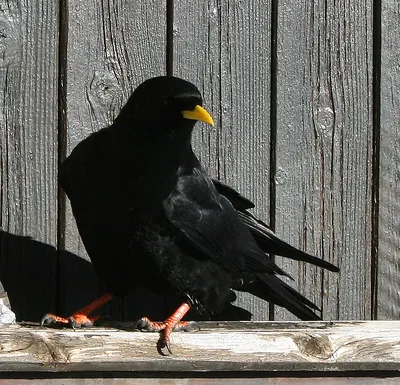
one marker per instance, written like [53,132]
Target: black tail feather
[263,235]
[271,244]
[268,286]
[272,289]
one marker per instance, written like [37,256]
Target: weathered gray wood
[206,381]
[388,280]
[224,48]
[28,154]
[354,347]
[112,47]
[324,142]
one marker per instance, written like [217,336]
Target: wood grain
[112,47]
[309,347]
[324,149]
[28,154]
[207,380]
[224,48]
[388,281]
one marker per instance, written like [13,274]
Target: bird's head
[163,105]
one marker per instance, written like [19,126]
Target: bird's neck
[167,152]
[178,155]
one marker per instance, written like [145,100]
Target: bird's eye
[166,101]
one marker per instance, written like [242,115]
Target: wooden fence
[306,99]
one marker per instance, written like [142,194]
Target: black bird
[149,214]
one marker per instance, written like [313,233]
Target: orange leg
[171,323]
[80,317]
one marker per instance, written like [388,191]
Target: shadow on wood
[28,271]
[37,283]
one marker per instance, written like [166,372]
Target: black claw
[142,324]
[162,346]
[192,325]
[145,324]
[87,324]
[76,325]
[47,320]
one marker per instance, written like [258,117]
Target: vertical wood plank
[28,154]
[324,141]
[112,47]
[224,48]
[388,281]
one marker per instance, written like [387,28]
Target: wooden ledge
[228,347]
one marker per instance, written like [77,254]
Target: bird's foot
[147,325]
[172,323]
[77,320]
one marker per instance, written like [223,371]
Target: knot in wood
[104,89]
[281,176]
[324,115]
[325,118]
[314,345]
[9,37]
[213,12]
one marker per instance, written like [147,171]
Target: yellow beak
[198,113]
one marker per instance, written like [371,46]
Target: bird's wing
[263,235]
[212,225]
[238,201]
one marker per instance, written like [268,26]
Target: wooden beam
[217,347]
[205,381]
